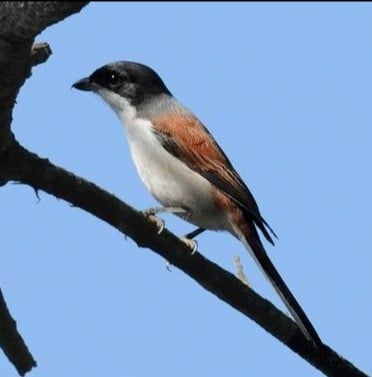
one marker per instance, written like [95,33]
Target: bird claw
[158,221]
[193,245]
[151,212]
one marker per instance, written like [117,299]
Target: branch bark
[11,341]
[23,20]
[25,167]
[20,22]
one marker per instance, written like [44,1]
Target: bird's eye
[113,79]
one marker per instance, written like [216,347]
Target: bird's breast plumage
[171,181]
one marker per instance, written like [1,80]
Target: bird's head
[124,84]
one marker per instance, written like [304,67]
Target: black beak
[84,84]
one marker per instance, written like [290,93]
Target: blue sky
[286,90]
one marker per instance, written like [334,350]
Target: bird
[184,168]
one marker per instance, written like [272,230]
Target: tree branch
[25,167]
[23,20]
[20,22]
[11,341]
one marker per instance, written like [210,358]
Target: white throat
[126,112]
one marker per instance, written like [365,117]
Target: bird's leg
[188,238]
[190,242]
[194,233]
[156,210]
[157,220]
[152,212]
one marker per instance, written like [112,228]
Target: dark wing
[186,138]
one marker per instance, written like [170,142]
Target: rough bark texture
[19,24]
[11,341]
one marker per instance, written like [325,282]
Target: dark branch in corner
[27,168]
[20,22]
[11,341]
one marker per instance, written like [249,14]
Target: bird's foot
[157,220]
[153,211]
[192,244]
[188,238]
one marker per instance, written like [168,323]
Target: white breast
[168,179]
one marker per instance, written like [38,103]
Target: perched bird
[184,168]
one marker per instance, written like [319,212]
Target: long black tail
[253,243]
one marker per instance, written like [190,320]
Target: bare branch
[20,22]
[12,343]
[25,167]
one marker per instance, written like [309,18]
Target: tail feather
[252,242]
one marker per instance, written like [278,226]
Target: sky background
[286,91]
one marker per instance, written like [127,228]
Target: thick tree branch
[12,343]
[20,22]
[25,167]
[23,20]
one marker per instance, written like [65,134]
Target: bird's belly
[173,184]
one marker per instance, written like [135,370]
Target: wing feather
[186,138]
